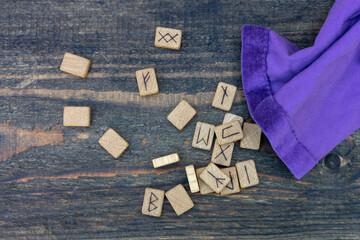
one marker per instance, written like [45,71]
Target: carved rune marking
[218,180]
[146,79]
[172,38]
[223,131]
[231,182]
[247,175]
[224,94]
[222,152]
[151,202]
[202,139]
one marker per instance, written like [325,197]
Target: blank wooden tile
[179,199]
[233,186]
[181,115]
[215,178]
[203,136]
[75,65]
[204,188]
[146,80]
[166,160]
[192,178]
[168,38]
[229,117]
[153,202]
[252,136]
[76,116]
[113,143]
[247,173]
[222,154]
[228,132]
[224,96]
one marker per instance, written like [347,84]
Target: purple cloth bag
[306,101]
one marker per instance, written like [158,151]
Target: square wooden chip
[203,136]
[168,38]
[179,199]
[76,116]
[233,186]
[215,178]
[224,96]
[113,143]
[147,82]
[247,173]
[228,132]
[181,115]
[75,65]
[252,136]
[153,202]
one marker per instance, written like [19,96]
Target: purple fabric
[305,101]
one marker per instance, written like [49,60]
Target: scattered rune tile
[146,80]
[247,173]
[215,178]
[252,136]
[76,116]
[179,199]
[229,117]
[203,136]
[75,65]
[113,143]
[228,132]
[204,188]
[233,186]
[192,178]
[181,115]
[168,38]
[224,96]
[222,154]
[165,160]
[153,202]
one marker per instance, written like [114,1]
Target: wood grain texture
[58,183]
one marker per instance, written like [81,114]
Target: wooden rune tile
[203,136]
[224,96]
[181,115]
[147,83]
[192,178]
[165,160]
[215,178]
[76,116]
[204,188]
[222,154]
[247,173]
[168,38]
[252,136]
[153,202]
[179,199]
[75,65]
[229,117]
[113,143]
[233,186]
[228,132]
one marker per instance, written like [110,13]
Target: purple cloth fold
[305,101]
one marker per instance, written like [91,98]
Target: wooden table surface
[58,183]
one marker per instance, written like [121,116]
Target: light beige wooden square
[229,117]
[146,80]
[203,136]
[224,96]
[76,116]
[233,186]
[252,136]
[153,202]
[247,173]
[214,177]
[204,188]
[181,115]
[179,199]
[228,132]
[75,65]
[113,143]
[222,154]
[166,160]
[168,38]
[192,178]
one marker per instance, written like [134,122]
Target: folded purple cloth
[305,101]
